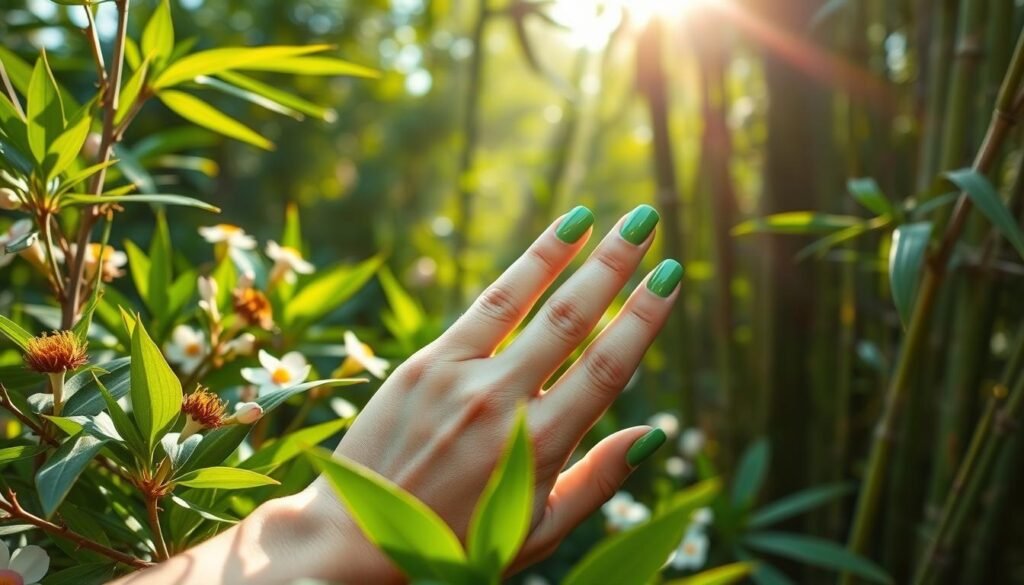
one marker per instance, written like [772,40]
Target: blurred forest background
[490,118]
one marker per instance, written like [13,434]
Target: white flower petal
[5,555]
[300,376]
[257,376]
[377,366]
[273,250]
[269,362]
[303,267]
[31,562]
[294,361]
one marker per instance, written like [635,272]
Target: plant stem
[15,511]
[112,94]
[10,90]
[153,510]
[1003,119]
[94,44]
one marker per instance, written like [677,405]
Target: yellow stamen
[281,376]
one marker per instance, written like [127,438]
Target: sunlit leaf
[200,113]
[215,61]
[228,478]
[155,390]
[131,91]
[65,148]
[312,66]
[329,290]
[906,258]
[204,513]
[139,267]
[45,110]
[280,451]
[158,36]
[281,97]
[179,200]
[796,222]
[14,332]
[9,454]
[724,575]
[275,398]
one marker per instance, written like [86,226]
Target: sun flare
[591,22]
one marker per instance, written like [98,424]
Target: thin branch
[94,44]
[154,524]
[10,90]
[15,511]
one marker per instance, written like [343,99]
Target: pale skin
[437,425]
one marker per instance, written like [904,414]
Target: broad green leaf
[9,454]
[724,575]
[867,192]
[202,114]
[56,477]
[177,451]
[412,535]
[45,110]
[502,516]
[155,390]
[131,91]
[65,147]
[312,66]
[224,59]
[100,426]
[123,423]
[906,259]
[217,445]
[83,389]
[158,36]
[204,513]
[139,266]
[636,555]
[12,124]
[989,203]
[277,453]
[796,222]
[228,478]
[14,332]
[276,95]
[160,269]
[275,398]
[750,473]
[798,503]
[408,314]
[179,200]
[817,553]
[329,290]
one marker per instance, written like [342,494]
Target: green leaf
[179,200]
[798,503]
[797,223]
[724,575]
[502,516]
[160,269]
[179,453]
[204,513]
[77,177]
[65,148]
[131,90]
[273,399]
[202,114]
[988,202]
[228,478]
[407,315]
[404,528]
[313,66]
[217,445]
[329,290]
[45,110]
[276,95]
[139,266]
[83,389]
[906,258]
[816,552]
[277,453]
[215,61]
[867,192]
[9,454]
[636,556]
[123,423]
[249,96]
[158,36]
[15,333]
[750,473]
[155,390]
[55,478]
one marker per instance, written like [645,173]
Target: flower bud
[246,413]
[244,344]
[9,199]
[54,354]
[203,410]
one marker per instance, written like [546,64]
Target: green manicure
[645,446]
[575,224]
[639,224]
[665,278]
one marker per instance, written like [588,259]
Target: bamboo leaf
[228,478]
[215,61]
[906,257]
[750,473]
[162,199]
[65,148]
[277,453]
[274,94]
[329,290]
[817,553]
[867,192]
[158,36]
[9,454]
[636,555]
[724,575]
[798,503]
[202,114]
[45,110]
[131,91]
[249,96]
[412,535]
[312,66]
[988,202]
[797,223]
[155,390]
[60,472]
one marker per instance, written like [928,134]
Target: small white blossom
[277,374]
[677,467]
[703,516]
[187,348]
[622,512]
[534,579]
[691,442]
[208,297]
[343,408]
[359,357]
[231,235]
[692,552]
[244,344]
[287,262]
[27,566]
[667,422]
[106,259]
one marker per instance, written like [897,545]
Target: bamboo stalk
[1003,119]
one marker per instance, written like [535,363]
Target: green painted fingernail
[639,224]
[645,446]
[575,224]
[665,278]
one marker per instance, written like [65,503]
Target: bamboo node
[1000,391]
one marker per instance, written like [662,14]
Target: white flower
[187,348]
[247,413]
[208,297]
[622,512]
[25,567]
[277,374]
[287,262]
[677,467]
[244,344]
[9,200]
[231,235]
[18,230]
[703,516]
[667,422]
[112,261]
[692,552]
[691,442]
[343,408]
[359,357]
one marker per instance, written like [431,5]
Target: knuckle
[411,372]
[613,261]
[566,319]
[483,405]
[644,314]
[544,257]
[605,484]
[499,304]
[606,372]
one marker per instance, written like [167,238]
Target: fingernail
[639,224]
[575,224]
[645,446]
[665,278]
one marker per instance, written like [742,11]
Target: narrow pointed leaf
[179,200]
[14,332]
[724,575]
[798,503]
[202,114]
[906,258]
[329,290]
[750,473]
[225,59]
[867,192]
[816,552]
[155,390]
[158,36]
[797,223]
[988,202]
[45,110]
[228,478]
